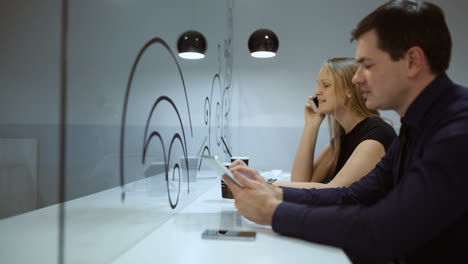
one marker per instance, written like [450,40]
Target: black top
[370,128]
[420,218]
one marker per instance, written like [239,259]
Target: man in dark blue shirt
[411,208]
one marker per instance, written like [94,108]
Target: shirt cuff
[288,219]
[289,193]
[298,195]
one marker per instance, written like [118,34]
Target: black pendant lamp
[263,43]
[191,45]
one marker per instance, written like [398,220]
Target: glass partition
[137,118]
[138,114]
[29,131]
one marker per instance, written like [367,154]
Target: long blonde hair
[342,71]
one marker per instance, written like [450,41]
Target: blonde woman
[360,137]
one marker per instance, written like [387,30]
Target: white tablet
[219,168]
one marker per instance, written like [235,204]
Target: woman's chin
[323,111]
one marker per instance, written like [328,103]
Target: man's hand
[239,163]
[257,200]
[236,163]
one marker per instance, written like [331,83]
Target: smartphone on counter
[314,103]
[229,235]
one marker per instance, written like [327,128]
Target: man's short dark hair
[402,24]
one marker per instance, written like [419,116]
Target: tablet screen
[219,168]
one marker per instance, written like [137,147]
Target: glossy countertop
[100,228]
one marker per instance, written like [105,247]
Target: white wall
[29,82]
[266,111]
[104,38]
[265,115]
[272,92]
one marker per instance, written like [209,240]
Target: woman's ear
[348,93]
[347,96]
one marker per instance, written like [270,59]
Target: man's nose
[356,78]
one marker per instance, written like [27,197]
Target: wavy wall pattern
[216,112]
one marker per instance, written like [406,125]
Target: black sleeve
[381,132]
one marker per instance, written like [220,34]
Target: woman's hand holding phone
[313,103]
[312,116]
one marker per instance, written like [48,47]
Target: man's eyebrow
[363,59]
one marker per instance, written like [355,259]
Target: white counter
[99,228]
[179,240]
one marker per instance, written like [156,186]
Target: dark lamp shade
[263,43]
[191,45]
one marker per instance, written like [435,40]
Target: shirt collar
[417,110]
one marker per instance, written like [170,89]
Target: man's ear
[416,60]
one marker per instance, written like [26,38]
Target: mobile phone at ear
[314,104]
[229,235]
